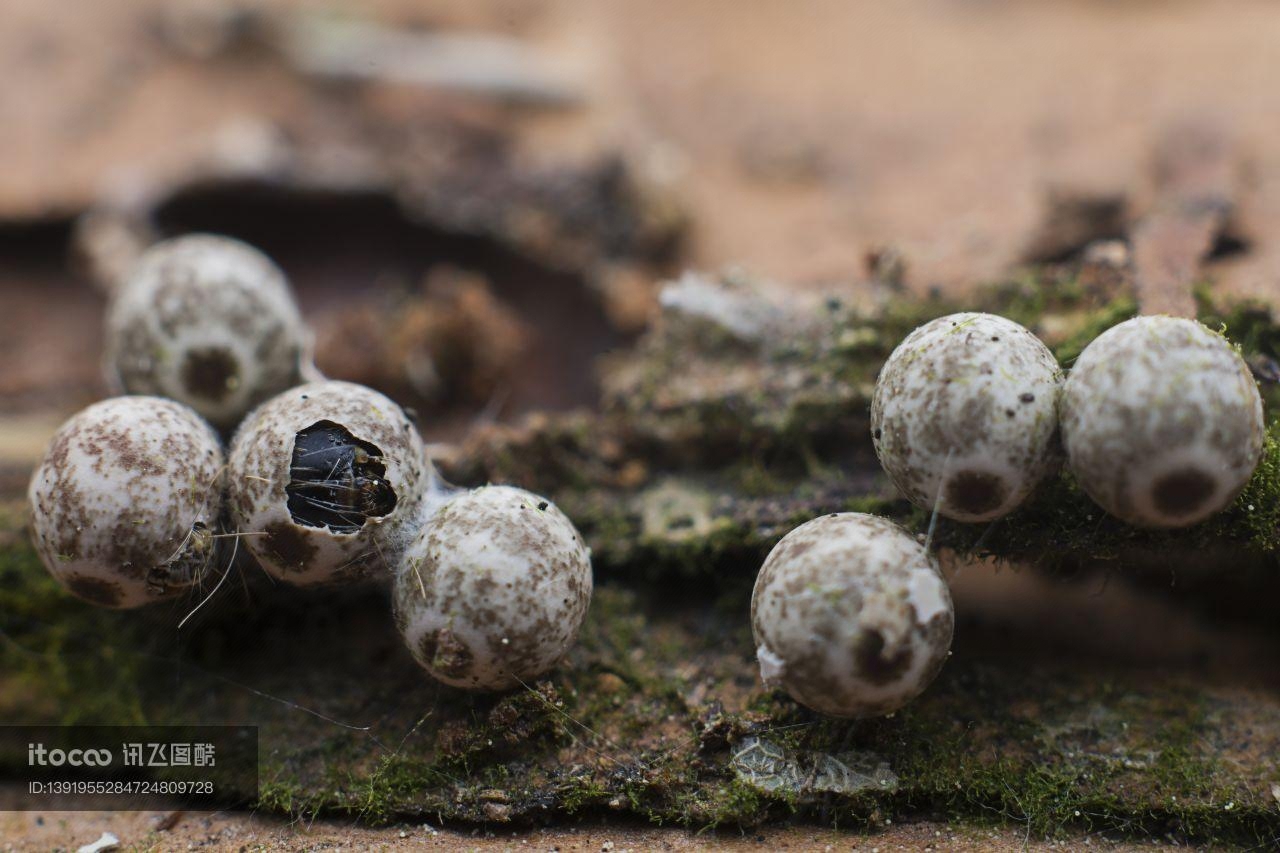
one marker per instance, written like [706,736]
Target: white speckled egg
[325,481]
[851,616]
[1162,421]
[126,502]
[493,590]
[964,416]
[208,321]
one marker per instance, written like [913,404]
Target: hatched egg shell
[126,500]
[1162,421]
[851,616]
[326,482]
[208,321]
[964,416]
[493,591]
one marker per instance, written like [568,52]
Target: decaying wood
[1195,172]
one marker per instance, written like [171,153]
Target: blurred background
[436,175]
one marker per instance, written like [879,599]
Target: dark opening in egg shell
[337,480]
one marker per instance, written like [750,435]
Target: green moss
[1252,327]
[753,478]
[735,803]
[1062,525]
[1097,322]
[821,462]
[633,724]
[52,652]
[1076,758]
[1255,515]
[1054,747]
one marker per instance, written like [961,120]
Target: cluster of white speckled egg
[1161,424]
[1160,419]
[323,482]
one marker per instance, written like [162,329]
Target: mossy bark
[711,445]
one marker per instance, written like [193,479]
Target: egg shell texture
[964,415]
[259,470]
[494,591]
[1162,421]
[125,500]
[208,321]
[851,616]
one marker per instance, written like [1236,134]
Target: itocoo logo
[37,754]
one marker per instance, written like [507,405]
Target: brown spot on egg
[210,372]
[874,665]
[1183,491]
[446,652]
[103,593]
[975,492]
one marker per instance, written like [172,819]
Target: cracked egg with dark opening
[325,481]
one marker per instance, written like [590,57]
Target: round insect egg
[1162,421]
[326,481]
[851,616]
[208,321]
[492,592]
[126,502]
[964,416]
